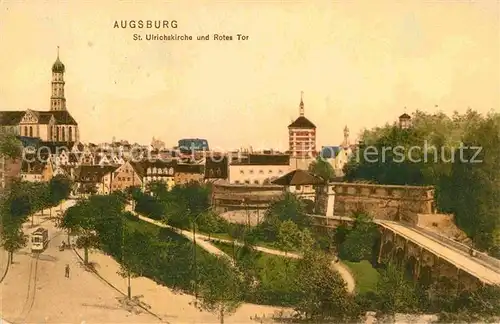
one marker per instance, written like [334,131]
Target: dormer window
[242,172]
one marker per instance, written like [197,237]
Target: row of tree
[284,283]
[21,198]
[308,285]
[459,155]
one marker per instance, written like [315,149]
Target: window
[25,130]
[237,182]
[270,171]
[70,134]
[31,131]
[256,182]
[247,181]
[242,172]
[280,171]
[297,187]
[251,171]
[63,134]
[261,171]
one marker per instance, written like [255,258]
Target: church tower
[57,100]
[346,142]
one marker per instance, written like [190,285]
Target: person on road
[66,271]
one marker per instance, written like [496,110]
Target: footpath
[204,242]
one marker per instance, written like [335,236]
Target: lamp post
[129,288]
[245,204]
[193,227]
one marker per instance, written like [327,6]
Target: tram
[39,239]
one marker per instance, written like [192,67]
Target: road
[464,262]
[38,291]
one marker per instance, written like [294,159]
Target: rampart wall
[398,203]
[229,197]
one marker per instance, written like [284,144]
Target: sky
[359,63]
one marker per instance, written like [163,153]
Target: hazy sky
[359,64]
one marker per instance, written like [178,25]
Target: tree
[210,222]
[10,146]
[12,238]
[476,186]
[395,294]
[80,219]
[157,189]
[289,236]
[236,232]
[307,241]
[359,241]
[322,292]
[59,188]
[221,287]
[322,169]
[136,250]
[288,208]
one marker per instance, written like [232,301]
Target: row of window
[155,170]
[260,171]
[302,133]
[247,182]
[124,178]
[28,131]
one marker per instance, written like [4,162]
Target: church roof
[302,122]
[62,117]
[405,116]
[13,118]
[58,66]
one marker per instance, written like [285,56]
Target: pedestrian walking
[66,271]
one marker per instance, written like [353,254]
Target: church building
[55,125]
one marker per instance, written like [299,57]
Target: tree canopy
[321,168]
[458,155]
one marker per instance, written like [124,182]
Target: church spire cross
[57,51]
[301,106]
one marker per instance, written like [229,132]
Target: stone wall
[232,197]
[398,203]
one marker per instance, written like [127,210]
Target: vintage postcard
[249,161]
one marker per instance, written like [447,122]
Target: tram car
[39,239]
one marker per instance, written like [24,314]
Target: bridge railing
[485,259]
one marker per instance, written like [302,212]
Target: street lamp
[193,227]
[129,288]
[244,203]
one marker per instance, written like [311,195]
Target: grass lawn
[160,232]
[263,259]
[365,275]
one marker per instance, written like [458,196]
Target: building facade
[159,171]
[127,175]
[55,125]
[186,173]
[302,136]
[258,169]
